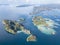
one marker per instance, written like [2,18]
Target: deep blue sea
[15,13]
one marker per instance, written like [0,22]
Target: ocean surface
[15,13]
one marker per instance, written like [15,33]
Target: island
[45,25]
[14,27]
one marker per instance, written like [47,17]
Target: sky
[20,2]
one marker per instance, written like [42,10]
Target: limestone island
[14,27]
[31,38]
[45,25]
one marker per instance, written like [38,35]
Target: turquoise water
[14,13]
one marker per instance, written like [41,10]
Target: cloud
[20,2]
[44,1]
[3,2]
